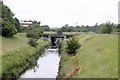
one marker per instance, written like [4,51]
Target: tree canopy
[106,28]
[10,25]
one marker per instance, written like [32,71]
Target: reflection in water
[47,66]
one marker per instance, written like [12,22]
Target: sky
[57,13]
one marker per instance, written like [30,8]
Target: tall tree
[8,22]
[106,28]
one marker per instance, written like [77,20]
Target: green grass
[16,52]
[98,57]
[10,45]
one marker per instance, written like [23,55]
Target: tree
[36,23]
[67,28]
[9,24]
[7,29]
[59,31]
[106,28]
[72,46]
[34,32]
[46,27]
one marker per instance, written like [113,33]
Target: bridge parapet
[57,35]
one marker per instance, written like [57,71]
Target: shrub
[72,46]
[34,32]
[32,42]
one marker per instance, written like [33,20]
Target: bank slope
[19,55]
[97,57]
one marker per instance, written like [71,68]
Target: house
[26,24]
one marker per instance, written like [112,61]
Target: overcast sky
[57,13]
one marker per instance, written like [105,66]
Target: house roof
[26,23]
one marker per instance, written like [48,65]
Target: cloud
[56,13]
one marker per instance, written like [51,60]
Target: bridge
[53,37]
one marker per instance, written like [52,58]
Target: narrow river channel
[47,66]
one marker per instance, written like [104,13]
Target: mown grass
[20,55]
[98,57]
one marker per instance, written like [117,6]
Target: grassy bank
[17,55]
[14,43]
[97,58]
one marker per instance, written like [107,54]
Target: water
[47,66]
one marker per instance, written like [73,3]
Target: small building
[26,24]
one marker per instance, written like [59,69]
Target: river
[47,66]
